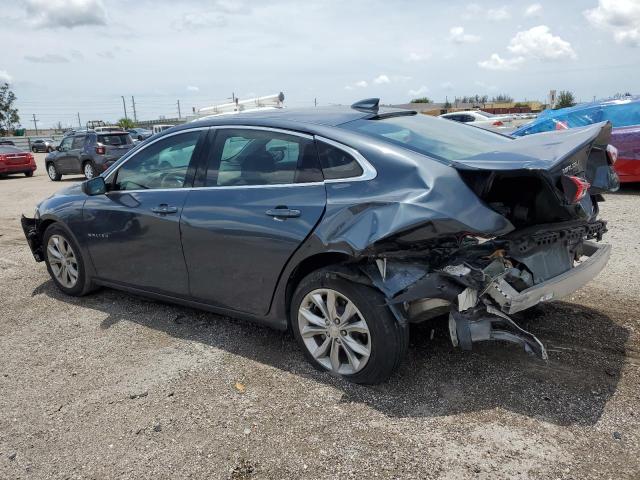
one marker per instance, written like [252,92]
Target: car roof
[326,116]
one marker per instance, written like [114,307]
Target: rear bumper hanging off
[31,232]
[511,301]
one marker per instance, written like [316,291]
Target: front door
[134,230]
[260,198]
[62,161]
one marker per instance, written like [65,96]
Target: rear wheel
[64,261]
[346,328]
[49,149]
[34,149]
[52,171]
[88,170]
[29,173]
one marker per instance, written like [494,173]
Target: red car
[15,160]
[627,141]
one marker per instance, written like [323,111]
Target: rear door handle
[283,212]
[164,209]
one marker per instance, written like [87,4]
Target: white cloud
[498,14]
[533,10]
[46,58]
[538,42]
[496,62]
[200,20]
[457,35]
[446,85]
[380,79]
[418,56]
[620,17]
[360,84]
[422,90]
[5,77]
[66,13]
[192,88]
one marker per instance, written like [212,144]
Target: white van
[160,128]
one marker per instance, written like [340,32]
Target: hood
[543,151]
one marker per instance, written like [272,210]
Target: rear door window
[261,157]
[336,163]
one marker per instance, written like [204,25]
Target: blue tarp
[621,113]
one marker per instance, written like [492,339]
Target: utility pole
[315,102]
[35,123]
[124,105]
[133,104]
[79,123]
[179,114]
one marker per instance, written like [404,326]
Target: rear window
[9,149]
[437,137]
[115,140]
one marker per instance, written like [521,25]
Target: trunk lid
[531,180]
[15,159]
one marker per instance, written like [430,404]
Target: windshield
[437,137]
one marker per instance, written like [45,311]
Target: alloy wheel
[51,171]
[88,170]
[63,261]
[334,331]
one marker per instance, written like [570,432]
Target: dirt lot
[113,386]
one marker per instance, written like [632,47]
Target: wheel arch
[305,267]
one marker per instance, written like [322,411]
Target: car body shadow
[586,350]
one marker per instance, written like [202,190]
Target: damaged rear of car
[512,223]
[345,225]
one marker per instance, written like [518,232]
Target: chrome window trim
[368,171]
[268,129]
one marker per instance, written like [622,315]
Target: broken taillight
[612,153]
[575,188]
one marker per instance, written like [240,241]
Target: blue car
[342,224]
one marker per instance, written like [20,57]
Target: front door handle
[164,209]
[283,212]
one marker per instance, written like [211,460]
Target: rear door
[261,194]
[134,230]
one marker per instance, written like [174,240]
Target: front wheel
[346,328]
[64,261]
[52,171]
[34,150]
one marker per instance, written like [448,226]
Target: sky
[64,57]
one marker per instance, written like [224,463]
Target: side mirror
[95,186]
[58,148]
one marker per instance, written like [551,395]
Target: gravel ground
[114,386]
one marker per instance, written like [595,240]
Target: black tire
[29,173]
[389,338]
[34,149]
[83,284]
[49,149]
[53,173]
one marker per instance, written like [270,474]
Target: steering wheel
[172,180]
